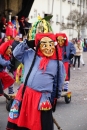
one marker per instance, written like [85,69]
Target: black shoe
[83,64]
[65,90]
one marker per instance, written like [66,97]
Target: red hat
[23,17]
[64,36]
[4,47]
[10,23]
[39,36]
[3,19]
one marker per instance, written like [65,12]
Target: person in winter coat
[79,50]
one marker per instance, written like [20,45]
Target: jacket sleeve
[72,49]
[19,51]
[61,79]
[4,62]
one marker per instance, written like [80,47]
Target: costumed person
[11,32]
[6,81]
[39,26]
[16,23]
[39,66]
[68,51]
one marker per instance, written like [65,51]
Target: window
[43,14]
[73,1]
[57,18]
[69,1]
[35,13]
[62,19]
[83,4]
[38,14]
[78,3]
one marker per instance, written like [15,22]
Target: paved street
[72,116]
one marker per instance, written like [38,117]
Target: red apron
[66,65]
[6,79]
[30,116]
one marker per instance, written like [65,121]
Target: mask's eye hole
[50,44]
[44,45]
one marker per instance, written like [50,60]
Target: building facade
[7,6]
[60,10]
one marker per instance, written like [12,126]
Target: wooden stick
[6,96]
[59,128]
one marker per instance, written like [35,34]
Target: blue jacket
[39,80]
[70,49]
[4,63]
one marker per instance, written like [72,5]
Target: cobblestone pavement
[72,116]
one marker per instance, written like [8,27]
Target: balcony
[57,22]
[69,1]
[78,4]
[63,23]
[73,3]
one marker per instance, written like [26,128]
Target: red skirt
[67,69]
[6,79]
[30,116]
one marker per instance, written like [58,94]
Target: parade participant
[11,32]
[6,80]
[68,51]
[3,25]
[41,68]
[16,23]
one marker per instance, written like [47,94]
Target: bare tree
[75,21]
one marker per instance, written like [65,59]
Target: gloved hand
[71,56]
[31,43]
[65,56]
[8,65]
